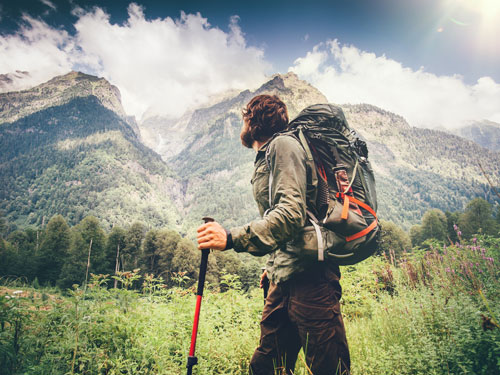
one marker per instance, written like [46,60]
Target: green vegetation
[432,313]
[477,218]
[81,159]
[433,309]
[62,256]
[106,285]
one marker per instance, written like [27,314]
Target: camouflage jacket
[282,223]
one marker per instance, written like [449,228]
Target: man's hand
[212,236]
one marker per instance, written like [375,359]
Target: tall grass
[434,312]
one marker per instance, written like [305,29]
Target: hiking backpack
[344,226]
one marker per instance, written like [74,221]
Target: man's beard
[246,137]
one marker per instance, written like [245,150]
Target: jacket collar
[262,150]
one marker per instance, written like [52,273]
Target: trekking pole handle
[204,263]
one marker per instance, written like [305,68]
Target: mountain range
[486,133]
[68,147]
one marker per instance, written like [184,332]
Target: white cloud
[161,66]
[346,74]
[37,48]
[49,3]
[165,65]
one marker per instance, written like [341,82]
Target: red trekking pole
[192,360]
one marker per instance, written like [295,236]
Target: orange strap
[365,231]
[345,209]
[369,228]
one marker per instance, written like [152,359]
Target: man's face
[245,135]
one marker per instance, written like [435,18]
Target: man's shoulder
[285,142]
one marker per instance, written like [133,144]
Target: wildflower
[448,269]
[474,240]
[459,233]
[455,228]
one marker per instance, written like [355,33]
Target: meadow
[434,311]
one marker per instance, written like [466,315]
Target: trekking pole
[265,285]
[192,360]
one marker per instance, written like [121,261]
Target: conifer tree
[5,258]
[115,246]
[23,245]
[166,245]
[3,224]
[91,230]
[73,271]
[133,242]
[53,250]
[150,255]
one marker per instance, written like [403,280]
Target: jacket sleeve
[287,216]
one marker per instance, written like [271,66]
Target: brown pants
[303,313]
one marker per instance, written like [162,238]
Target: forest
[83,300]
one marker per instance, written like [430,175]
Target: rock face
[486,133]
[58,91]
[169,137]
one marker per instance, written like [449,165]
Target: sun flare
[488,10]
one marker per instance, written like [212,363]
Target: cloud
[164,65]
[49,3]
[346,74]
[37,48]
[161,66]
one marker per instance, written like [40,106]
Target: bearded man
[302,309]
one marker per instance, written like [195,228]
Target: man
[302,308]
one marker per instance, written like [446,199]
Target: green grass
[422,315]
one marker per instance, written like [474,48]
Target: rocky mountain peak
[296,93]
[59,90]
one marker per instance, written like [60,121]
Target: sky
[435,62]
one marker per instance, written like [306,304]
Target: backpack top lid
[322,115]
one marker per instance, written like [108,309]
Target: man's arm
[288,214]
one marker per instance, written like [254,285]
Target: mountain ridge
[80,158]
[203,169]
[57,91]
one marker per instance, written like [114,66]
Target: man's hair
[266,115]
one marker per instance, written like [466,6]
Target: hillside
[416,168]
[68,148]
[72,155]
